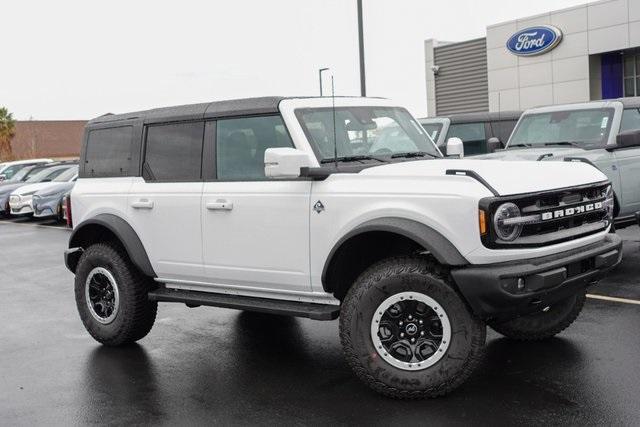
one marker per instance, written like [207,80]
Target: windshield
[10,171]
[432,129]
[47,174]
[67,174]
[585,128]
[20,174]
[364,131]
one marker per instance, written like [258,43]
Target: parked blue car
[47,203]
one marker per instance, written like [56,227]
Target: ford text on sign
[534,40]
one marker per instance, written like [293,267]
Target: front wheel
[544,324]
[406,332]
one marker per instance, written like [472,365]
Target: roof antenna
[335,138]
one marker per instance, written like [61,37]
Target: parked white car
[8,169]
[20,200]
[291,206]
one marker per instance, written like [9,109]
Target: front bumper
[511,289]
[43,208]
[20,206]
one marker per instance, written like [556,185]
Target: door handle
[142,204]
[219,205]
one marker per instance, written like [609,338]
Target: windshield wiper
[413,154]
[571,143]
[353,159]
[522,144]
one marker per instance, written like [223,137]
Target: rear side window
[472,135]
[174,152]
[108,152]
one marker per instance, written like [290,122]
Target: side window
[241,143]
[54,174]
[502,129]
[173,152]
[630,119]
[472,135]
[108,152]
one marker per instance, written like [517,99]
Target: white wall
[562,75]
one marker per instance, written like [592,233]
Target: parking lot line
[614,299]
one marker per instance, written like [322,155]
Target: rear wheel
[545,324]
[406,332]
[111,296]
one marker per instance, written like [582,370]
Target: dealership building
[577,54]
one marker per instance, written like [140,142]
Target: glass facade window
[631,74]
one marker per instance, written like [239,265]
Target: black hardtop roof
[225,108]
[262,105]
[479,117]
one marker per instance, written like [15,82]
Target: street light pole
[320,78]
[363,85]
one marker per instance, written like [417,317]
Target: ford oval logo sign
[534,40]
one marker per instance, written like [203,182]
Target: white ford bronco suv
[281,205]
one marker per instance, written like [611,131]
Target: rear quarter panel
[95,196]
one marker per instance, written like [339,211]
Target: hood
[550,153]
[31,188]
[55,188]
[506,178]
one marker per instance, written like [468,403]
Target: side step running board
[263,305]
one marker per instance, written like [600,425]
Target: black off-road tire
[545,324]
[409,274]
[136,314]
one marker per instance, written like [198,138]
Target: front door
[164,204]
[255,229]
[628,162]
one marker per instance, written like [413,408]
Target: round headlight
[507,232]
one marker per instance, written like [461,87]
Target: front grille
[556,216]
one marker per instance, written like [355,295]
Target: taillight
[68,205]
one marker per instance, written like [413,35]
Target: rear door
[164,204]
[255,229]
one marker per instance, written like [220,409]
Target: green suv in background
[605,134]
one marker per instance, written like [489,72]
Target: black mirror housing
[494,144]
[629,138]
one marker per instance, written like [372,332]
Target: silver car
[605,134]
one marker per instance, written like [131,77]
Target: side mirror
[630,138]
[284,162]
[455,148]
[2,177]
[494,144]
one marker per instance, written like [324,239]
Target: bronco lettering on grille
[576,210]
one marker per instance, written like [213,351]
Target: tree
[7,131]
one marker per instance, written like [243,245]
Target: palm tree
[7,131]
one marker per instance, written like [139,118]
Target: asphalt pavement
[219,366]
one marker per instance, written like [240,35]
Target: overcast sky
[79,59]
